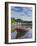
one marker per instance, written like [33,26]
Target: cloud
[24,13]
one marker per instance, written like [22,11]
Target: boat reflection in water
[21,32]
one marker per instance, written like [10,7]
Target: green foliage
[13,30]
[19,20]
[12,20]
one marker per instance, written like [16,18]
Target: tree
[12,20]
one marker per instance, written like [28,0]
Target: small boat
[22,31]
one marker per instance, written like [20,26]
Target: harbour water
[21,34]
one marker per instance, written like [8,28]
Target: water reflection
[21,34]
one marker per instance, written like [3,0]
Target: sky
[24,13]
